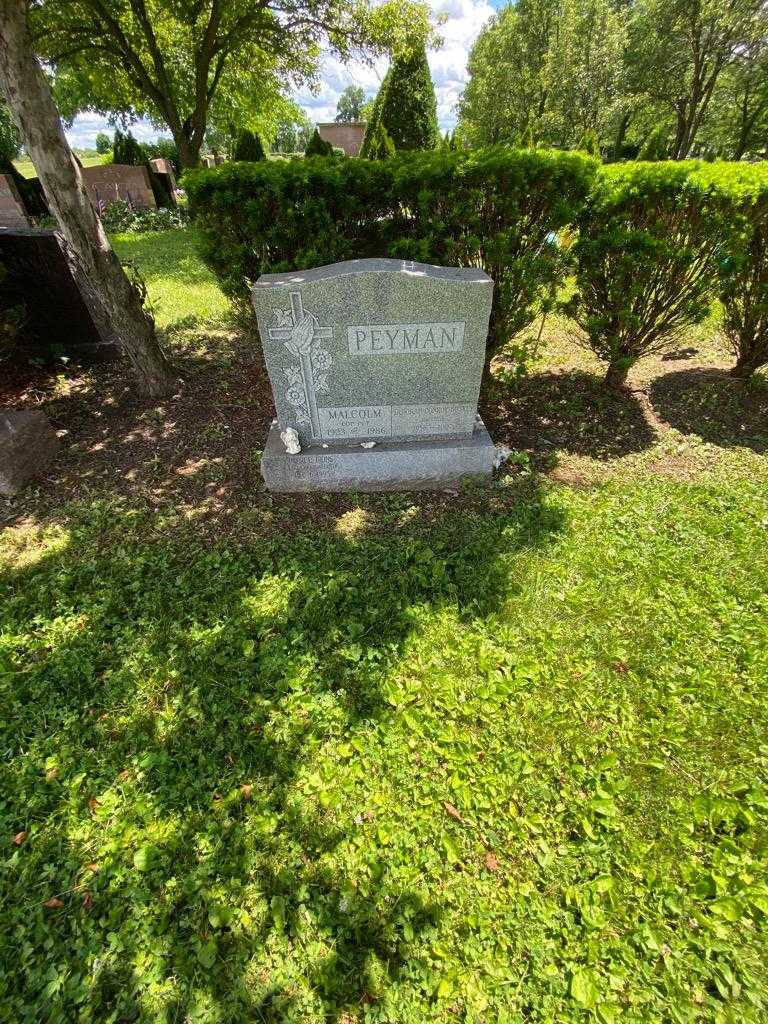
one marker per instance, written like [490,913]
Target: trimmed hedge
[738,205]
[498,208]
[643,261]
[655,242]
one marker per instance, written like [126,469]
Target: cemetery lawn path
[490,756]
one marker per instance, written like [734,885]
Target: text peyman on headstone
[375,351]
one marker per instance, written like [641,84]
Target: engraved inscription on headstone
[374,351]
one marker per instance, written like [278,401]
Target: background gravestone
[60,316]
[27,444]
[108,182]
[376,365]
[13,212]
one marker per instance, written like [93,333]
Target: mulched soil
[197,451]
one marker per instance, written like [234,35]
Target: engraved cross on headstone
[285,334]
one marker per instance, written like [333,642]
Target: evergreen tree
[317,146]
[248,147]
[527,139]
[372,133]
[381,145]
[126,150]
[405,106]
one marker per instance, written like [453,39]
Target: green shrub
[379,144]
[248,147]
[120,216]
[103,143]
[738,212]
[644,261]
[275,216]
[500,209]
[318,146]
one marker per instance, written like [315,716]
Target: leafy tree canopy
[293,132]
[350,105]
[10,144]
[103,143]
[683,77]
[192,63]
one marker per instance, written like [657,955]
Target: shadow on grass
[160,679]
[715,406]
[573,412]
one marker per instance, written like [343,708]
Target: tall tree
[190,62]
[405,106]
[508,88]
[681,49]
[738,123]
[293,132]
[115,300]
[546,69]
[350,105]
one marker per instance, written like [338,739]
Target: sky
[465,18]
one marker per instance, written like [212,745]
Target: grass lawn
[27,168]
[497,756]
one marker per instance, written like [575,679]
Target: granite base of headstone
[375,368]
[28,442]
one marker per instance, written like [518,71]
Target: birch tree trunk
[29,99]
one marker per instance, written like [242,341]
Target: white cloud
[448,65]
[86,127]
[464,19]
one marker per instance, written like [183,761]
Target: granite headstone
[376,366]
[28,442]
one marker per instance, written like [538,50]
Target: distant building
[348,137]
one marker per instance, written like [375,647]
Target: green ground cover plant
[505,765]
[490,756]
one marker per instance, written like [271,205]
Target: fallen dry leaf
[94,804]
[87,900]
[19,838]
[51,775]
[450,809]
[54,903]
[491,861]
[247,791]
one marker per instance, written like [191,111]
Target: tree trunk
[189,153]
[29,99]
[616,377]
[745,367]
